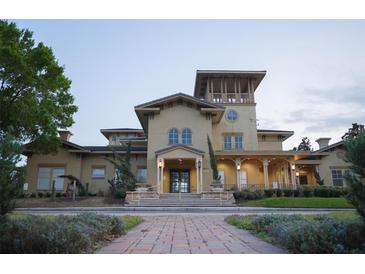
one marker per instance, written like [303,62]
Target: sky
[315,81]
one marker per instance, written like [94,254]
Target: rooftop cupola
[227,86]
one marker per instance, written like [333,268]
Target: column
[198,166]
[286,175]
[238,169]
[160,166]
[292,174]
[266,173]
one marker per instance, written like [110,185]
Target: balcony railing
[232,98]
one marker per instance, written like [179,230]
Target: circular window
[231,115]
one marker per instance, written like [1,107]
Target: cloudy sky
[315,82]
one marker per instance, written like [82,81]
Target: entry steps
[181,200]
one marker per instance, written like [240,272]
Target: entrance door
[179,178]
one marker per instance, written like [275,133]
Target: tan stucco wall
[63,158]
[331,161]
[180,117]
[78,167]
[271,143]
[245,123]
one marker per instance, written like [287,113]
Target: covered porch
[259,172]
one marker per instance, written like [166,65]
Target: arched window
[186,136]
[173,136]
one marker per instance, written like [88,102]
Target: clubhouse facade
[170,151]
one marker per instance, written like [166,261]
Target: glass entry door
[179,179]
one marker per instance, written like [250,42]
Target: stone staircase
[181,200]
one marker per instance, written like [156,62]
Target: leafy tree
[11,176]
[124,177]
[304,145]
[355,179]
[213,164]
[353,132]
[34,92]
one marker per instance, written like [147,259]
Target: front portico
[179,169]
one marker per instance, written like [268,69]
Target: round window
[231,115]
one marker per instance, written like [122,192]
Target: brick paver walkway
[188,234]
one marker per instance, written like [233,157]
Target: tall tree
[355,180]
[213,163]
[304,145]
[34,92]
[353,132]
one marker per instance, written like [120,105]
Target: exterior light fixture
[238,167]
[199,164]
[293,167]
[160,163]
[297,174]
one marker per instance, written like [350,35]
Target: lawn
[64,202]
[337,232]
[299,202]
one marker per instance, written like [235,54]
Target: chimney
[65,134]
[323,142]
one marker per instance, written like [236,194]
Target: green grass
[131,221]
[297,202]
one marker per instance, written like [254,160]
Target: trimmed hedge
[57,234]
[247,195]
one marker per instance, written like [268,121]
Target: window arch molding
[173,136]
[187,136]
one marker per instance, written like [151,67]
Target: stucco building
[170,150]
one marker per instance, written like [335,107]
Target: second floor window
[173,136]
[227,142]
[238,142]
[186,136]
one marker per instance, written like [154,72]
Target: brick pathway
[188,234]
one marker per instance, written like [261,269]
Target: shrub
[296,192]
[58,194]
[288,192]
[307,192]
[120,194]
[40,194]
[321,191]
[278,192]
[48,195]
[61,234]
[33,195]
[269,193]
[246,195]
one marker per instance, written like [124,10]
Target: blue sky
[315,82]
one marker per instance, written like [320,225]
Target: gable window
[227,142]
[98,172]
[46,176]
[338,176]
[186,136]
[238,142]
[173,136]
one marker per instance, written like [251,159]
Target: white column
[158,176]
[266,173]
[199,180]
[160,166]
[286,175]
[292,173]
[238,169]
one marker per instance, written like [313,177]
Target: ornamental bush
[57,234]
[269,193]
[247,195]
[288,192]
[278,192]
[307,191]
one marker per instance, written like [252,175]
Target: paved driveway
[188,234]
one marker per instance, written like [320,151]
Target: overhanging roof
[258,75]
[154,106]
[284,133]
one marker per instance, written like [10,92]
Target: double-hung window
[186,136]
[238,142]
[98,173]
[228,142]
[338,176]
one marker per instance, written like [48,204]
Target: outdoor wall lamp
[199,164]
[160,163]
[293,167]
[238,167]
[297,173]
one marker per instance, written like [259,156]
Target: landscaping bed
[332,233]
[66,202]
[83,233]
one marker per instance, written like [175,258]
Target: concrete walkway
[188,235]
